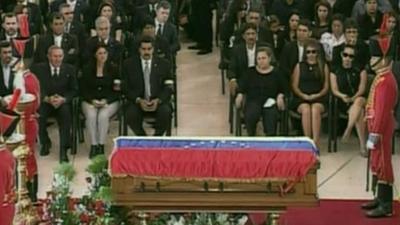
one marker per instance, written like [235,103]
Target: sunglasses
[351,56]
[311,51]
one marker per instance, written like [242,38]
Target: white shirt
[329,41]
[158,26]
[57,40]
[301,51]
[52,70]
[8,38]
[251,56]
[6,74]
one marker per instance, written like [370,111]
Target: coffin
[213,174]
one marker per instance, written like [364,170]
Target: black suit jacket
[114,47]
[238,64]
[141,13]
[65,84]
[93,87]
[29,46]
[69,44]
[289,58]
[133,79]
[3,89]
[78,29]
[170,34]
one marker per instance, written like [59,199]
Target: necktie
[159,30]
[146,73]
[55,74]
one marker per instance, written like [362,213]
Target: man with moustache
[147,84]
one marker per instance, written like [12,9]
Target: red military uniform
[31,123]
[7,186]
[380,117]
[8,122]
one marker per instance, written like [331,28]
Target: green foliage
[65,170]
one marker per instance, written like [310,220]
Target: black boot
[385,198]
[32,187]
[63,155]
[93,151]
[374,203]
[100,150]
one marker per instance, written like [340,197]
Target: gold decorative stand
[26,213]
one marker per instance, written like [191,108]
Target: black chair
[336,115]
[239,122]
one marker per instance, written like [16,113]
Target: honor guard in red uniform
[8,121]
[381,123]
[31,86]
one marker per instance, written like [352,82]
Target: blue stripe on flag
[266,145]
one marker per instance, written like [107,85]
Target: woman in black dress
[348,83]
[323,14]
[99,89]
[310,85]
[264,89]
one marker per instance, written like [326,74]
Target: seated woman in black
[99,88]
[264,88]
[310,85]
[348,83]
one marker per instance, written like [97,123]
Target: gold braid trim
[370,102]
[186,179]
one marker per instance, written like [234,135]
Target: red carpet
[332,212]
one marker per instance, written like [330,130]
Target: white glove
[373,139]
[370,145]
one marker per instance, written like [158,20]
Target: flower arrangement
[92,209]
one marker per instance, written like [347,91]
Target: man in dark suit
[114,47]
[201,18]
[161,46]
[34,15]
[67,42]
[72,26]
[147,85]
[165,29]
[10,31]
[292,52]
[78,7]
[148,9]
[262,35]
[58,85]
[6,72]
[243,56]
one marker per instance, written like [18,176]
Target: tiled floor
[203,111]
